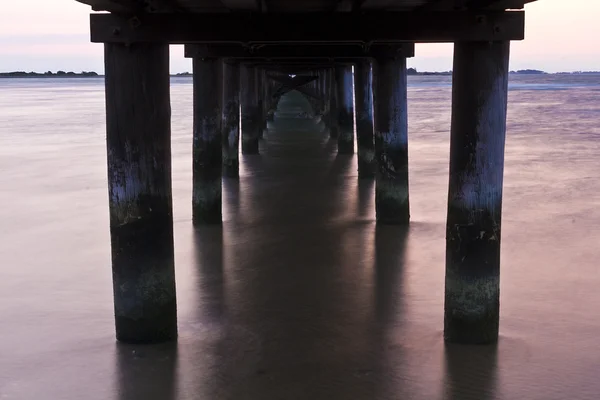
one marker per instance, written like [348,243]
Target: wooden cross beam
[305,91]
[289,83]
[293,67]
[255,28]
[293,81]
[299,51]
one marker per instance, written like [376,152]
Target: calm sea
[299,295]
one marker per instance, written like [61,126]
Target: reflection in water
[470,372]
[231,198]
[390,246]
[146,372]
[366,198]
[208,248]
[299,295]
[340,166]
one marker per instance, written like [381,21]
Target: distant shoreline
[62,75]
[50,74]
[410,72]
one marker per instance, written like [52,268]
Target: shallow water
[299,295]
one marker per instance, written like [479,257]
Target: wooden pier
[243,53]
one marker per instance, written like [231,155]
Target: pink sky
[53,34]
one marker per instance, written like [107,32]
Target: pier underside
[246,55]
[297,6]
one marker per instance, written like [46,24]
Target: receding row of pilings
[139,169]
[382,131]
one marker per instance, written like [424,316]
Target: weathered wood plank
[309,28]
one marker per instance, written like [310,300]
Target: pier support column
[363,85]
[272,99]
[345,109]
[265,98]
[322,93]
[334,101]
[138,136]
[326,93]
[391,140]
[207,142]
[230,123]
[479,101]
[260,120]
[249,101]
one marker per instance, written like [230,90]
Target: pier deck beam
[250,112]
[138,125]
[345,108]
[363,86]
[230,123]
[479,101]
[391,140]
[207,142]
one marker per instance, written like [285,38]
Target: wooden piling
[230,123]
[391,140]
[260,102]
[265,100]
[207,142]
[333,111]
[249,102]
[363,86]
[138,126]
[272,88]
[326,93]
[323,109]
[479,101]
[345,110]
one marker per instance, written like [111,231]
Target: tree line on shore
[23,74]
[91,74]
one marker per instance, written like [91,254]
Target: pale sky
[41,35]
